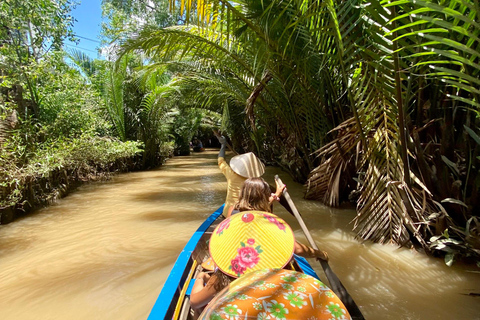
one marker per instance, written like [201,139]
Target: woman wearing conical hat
[241,244]
[256,195]
[249,241]
[276,294]
[242,167]
[246,242]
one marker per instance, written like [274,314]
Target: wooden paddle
[335,283]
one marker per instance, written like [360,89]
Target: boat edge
[160,308]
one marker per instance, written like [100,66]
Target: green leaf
[455,201]
[450,164]
[445,234]
[449,258]
[472,134]
[242,244]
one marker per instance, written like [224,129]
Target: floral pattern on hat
[275,221]
[296,299]
[223,226]
[232,312]
[250,241]
[247,257]
[277,310]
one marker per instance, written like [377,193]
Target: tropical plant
[396,80]
[416,73]
[54,127]
[29,30]
[245,66]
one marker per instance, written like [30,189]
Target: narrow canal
[105,251]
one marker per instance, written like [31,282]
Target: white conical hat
[247,165]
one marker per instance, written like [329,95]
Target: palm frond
[327,182]
[82,61]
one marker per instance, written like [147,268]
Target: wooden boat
[173,302]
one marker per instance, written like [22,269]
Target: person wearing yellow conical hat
[243,243]
[255,195]
[240,244]
[242,167]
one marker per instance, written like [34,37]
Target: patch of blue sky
[88,16]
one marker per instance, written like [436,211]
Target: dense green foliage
[29,31]
[374,102]
[80,157]
[395,83]
[66,117]
[57,120]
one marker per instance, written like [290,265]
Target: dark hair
[254,195]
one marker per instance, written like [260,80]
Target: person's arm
[229,213]
[202,293]
[283,201]
[308,252]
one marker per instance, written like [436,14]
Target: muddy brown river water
[105,251]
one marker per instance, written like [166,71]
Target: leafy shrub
[82,156]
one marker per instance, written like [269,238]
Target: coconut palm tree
[392,79]
[254,60]
[423,75]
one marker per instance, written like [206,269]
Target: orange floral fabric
[276,294]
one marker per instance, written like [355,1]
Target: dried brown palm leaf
[324,182]
[389,211]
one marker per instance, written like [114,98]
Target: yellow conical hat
[250,241]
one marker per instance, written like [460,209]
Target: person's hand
[273,197]
[321,255]
[222,139]
[280,188]
[204,276]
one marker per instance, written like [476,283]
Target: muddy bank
[37,191]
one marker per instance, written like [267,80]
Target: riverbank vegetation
[66,118]
[371,102]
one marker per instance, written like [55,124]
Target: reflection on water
[105,251]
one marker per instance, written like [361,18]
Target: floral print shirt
[276,294]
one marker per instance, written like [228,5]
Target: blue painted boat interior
[306,267]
